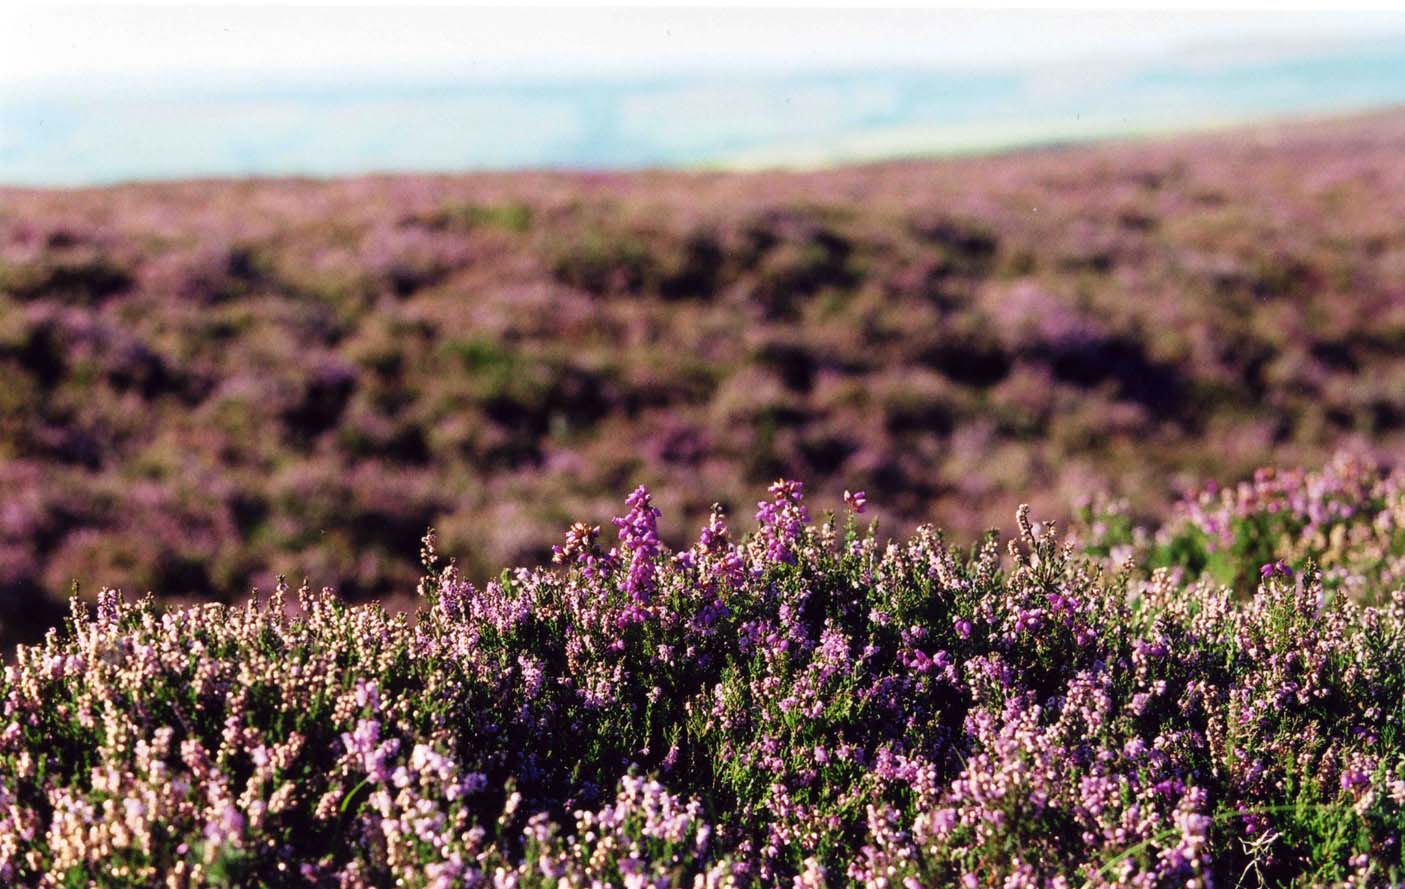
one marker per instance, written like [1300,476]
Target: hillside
[207,383]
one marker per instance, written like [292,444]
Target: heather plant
[806,705]
[1346,518]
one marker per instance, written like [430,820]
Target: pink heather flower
[226,828]
[364,743]
[532,676]
[367,694]
[582,549]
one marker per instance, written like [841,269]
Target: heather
[206,384]
[810,703]
[1347,518]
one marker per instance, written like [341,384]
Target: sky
[47,43]
[114,93]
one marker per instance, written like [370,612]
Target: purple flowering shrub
[1347,518]
[808,705]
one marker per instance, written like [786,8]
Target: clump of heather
[809,705]
[1348,518]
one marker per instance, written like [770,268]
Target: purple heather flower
[639,539]
[713,537]
[856,501]
[1031,619]
[782,519]
[227,827]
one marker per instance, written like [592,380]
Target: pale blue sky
[95,95]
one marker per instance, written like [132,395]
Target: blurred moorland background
[204,383]
[209,382]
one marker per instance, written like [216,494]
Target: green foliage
[513,216]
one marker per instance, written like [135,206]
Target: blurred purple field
[205,384]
